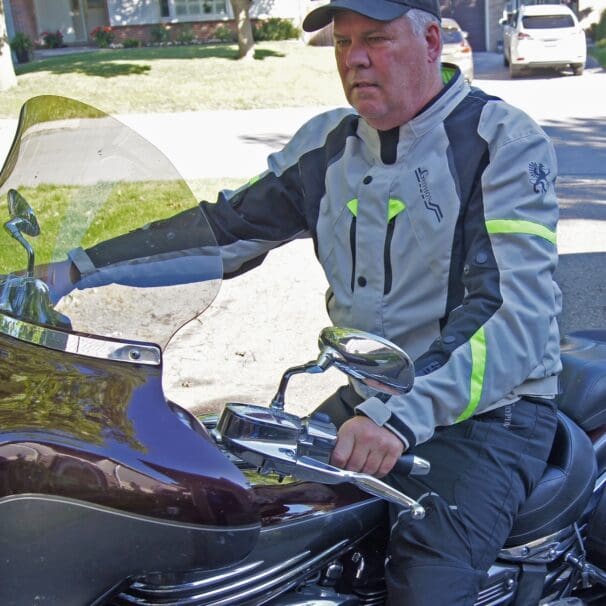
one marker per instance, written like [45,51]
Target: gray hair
[419,20]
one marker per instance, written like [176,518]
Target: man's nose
[357,55]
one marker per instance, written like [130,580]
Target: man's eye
[341,43]
[376,39]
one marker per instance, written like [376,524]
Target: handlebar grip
[411,465]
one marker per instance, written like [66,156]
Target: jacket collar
[435,112]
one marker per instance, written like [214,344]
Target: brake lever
[277,441]
[306,468]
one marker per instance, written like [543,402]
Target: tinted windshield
[88,180]
[452,36]
[547,21]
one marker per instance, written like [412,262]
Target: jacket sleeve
[280,204]
[502,341]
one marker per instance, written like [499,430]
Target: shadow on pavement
[490,66]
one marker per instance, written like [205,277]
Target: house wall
[494,30]
[133,12]
[22,12]
[285,9]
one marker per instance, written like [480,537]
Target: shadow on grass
[124,62]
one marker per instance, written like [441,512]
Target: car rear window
[450,36]
[547,21]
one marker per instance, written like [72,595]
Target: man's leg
[482,471]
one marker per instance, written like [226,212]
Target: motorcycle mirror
[19,209]
[373,360]
[23,220]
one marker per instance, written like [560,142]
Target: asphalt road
[571,109]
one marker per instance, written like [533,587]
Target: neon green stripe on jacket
[508,226]
[394,207]
[478,370]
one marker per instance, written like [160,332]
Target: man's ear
[433,38]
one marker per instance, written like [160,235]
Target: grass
[183,78]
[100,212]
[599,52]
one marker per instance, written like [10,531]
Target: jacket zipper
[387,256]
[352,243]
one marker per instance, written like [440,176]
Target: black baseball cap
[380,10]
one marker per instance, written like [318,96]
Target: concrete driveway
[571,109]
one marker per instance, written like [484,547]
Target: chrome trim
[118,513]
[89,346]
[545,549]
[252,584]
[599,483]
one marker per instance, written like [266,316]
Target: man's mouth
[363,84]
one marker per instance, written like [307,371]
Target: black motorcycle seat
[561,495]
[583,378]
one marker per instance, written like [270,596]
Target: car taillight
[465,48]
[523,36]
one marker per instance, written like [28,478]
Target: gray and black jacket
[439,235]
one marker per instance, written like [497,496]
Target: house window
[164,8]
[201,8]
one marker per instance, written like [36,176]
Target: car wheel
[577,69]
[514,70]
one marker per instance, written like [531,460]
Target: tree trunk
[246,42]
[7,71]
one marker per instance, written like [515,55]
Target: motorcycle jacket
[439,235]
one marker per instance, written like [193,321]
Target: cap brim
[380,11]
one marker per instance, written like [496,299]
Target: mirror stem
[314,367]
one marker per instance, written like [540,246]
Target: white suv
[543,35]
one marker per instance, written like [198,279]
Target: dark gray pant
[482,470]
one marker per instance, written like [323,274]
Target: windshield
[452,36]
[547,21]
[79,188]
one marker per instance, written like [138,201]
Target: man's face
[388,73]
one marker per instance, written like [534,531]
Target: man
[433,213]
[436,231]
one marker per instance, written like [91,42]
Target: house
[137,18]
[75,19]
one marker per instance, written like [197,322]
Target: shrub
[224,34]
[52,39]
[103,36]
[131,43]
[22,44]
[186,36]
[276,29]
[160,34]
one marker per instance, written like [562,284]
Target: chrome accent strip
[545,549]
[221,577]
[91,347]
[32,497]
[244,582]
[601,480]
[246,588]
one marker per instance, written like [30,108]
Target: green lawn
[600,54]
[71,216]
[184,78]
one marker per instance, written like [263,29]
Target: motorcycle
[112,494]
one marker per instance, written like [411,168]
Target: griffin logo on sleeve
[538,177]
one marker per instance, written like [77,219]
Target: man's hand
[60,277]
[364,446]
